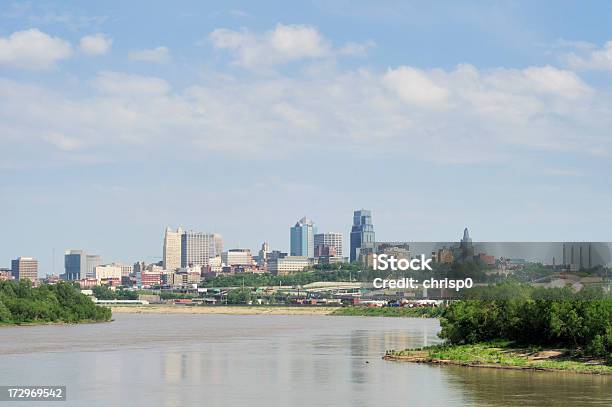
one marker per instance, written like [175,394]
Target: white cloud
[544,80]
[115,83]
[458,115]
[284,44]
[33,50]
[548,79]
[596,59]
[357,49]
[158,55]
[97,44]
[415,87]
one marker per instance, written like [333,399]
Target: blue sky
[240,118]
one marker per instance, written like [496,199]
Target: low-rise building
[150,278]
[87,283]
[107,272]
[288,264]
[399,250]
[187,275]
[237,257]
[486,259]
[444,256]
[215,265]
[25,268]
[6,274]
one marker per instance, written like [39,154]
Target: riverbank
[502,356]
[221,309]
[53,323]
[405,312]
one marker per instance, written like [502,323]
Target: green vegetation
[504,354]
[170,295]
[515,325]
[345,273]
[240,296]
[103,292]
[20,303]
[417,312]
[532,316]
[247,296]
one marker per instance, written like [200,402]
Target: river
[265,360]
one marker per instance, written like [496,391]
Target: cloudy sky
[117,120]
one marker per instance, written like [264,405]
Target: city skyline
[80,264]
[444,115]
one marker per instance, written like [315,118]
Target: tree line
[20,303]
[526,315]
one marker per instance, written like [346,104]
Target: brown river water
[265,360]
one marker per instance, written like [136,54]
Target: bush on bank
[532,316]
[21,303]
[417,312]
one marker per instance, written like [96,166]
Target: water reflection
[495,387]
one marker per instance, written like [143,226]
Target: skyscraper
[362,234]
[75,265]
[172,249]
[197,248]
[302,238]
[466,248]
[217,243]
[24,268]
[262,259]
[330,239]
[92,261]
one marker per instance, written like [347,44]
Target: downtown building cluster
[189,256]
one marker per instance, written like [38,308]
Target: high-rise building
[362,234]
[262,259]
[197,248]
[25,268]
[217,243]
[331,239]
[138,268]
[302,238]
[75,265]
[92,261]
[172,249]
[465,251]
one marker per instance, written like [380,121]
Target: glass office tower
[302,238]
[75,265]
[362,234]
